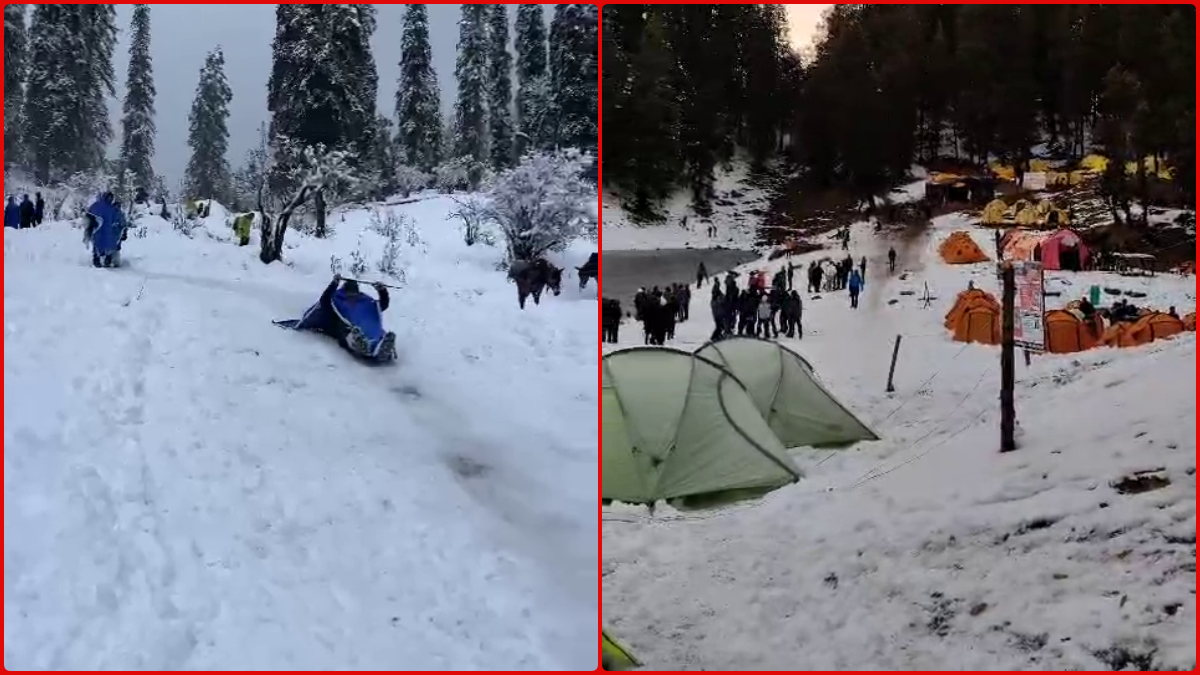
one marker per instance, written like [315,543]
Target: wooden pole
[892,370]
[1008,415]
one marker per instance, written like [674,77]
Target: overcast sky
[181,36]
[803,21]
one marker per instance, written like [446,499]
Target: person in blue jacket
[855,286]
[105,231]
[12,214]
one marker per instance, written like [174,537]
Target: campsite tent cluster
[1024,213]
[712,427]
[975,317]
[1062,249]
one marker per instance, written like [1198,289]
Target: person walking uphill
[855,286]
[26,213]
[39,209]
[892,260]
[105,231]
[701,275]
[12,214]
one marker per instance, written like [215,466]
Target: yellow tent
[994,212]
[1003,171]
[1028,217]
[1094,163]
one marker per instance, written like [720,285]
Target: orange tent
[1156,326]
[975,317]
[1066,333]
[1150,327]
[1189,322]
[960,249]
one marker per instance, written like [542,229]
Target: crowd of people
[757,310]
[26,213]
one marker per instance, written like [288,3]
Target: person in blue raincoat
[854,285]
[105,231]
[12,214]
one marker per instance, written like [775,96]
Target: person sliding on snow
[355,319]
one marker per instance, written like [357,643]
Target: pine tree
[137,141]
[470,126]
[500,88]
[384,158]
[323,81]
[97,78]
[574,72]
[533,87]
[207,173]
[15,47]
[418,101]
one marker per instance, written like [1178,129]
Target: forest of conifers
[688,86]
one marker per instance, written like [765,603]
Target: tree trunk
[272,237]
[319,203]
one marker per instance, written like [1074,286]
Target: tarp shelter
[960,249]
[1022,245]
[1066,333]
[800,411]
[975,317]
[1064,250]
[681,428]
[614,655]
[1094,163]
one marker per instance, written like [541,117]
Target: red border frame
[601,112]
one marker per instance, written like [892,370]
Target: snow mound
[188,486]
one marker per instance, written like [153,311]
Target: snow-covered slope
[930,549]
[737,210]
[189,486]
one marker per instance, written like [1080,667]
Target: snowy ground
[736,225]
[929,549]
[188,486]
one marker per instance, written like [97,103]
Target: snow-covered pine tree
[500,119]
[470,125]
[97,80]
[52,131]
[532,85]
[15,46]
[384,159]
[323,81]
[70,75]
[574,69]
[138,129]
[418,100]
[207,173]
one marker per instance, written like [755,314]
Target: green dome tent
[679,427]
[614,655]
[787,394]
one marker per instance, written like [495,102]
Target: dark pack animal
[590,270]
[533,278]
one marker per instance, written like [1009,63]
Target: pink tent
[1064,250]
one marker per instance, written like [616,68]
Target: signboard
[1035,180]
[1029,330]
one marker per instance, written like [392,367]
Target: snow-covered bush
[358,261]
[335,265]
[402,241]
[473,214]
[411,179]
[543,204]
[457,175]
